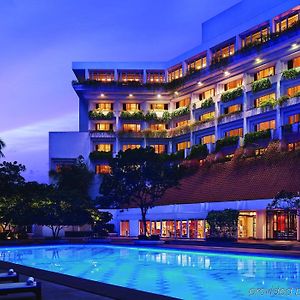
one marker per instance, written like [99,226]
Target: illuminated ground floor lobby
[188,221]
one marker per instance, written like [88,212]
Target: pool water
[176,273]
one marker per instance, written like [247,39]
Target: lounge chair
[21,287]
[11,275]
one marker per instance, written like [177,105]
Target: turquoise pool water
[181,274]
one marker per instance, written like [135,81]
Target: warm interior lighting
[226,73]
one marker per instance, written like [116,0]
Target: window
[208,139]
[264,73]
[262,99]
[223,52]
[131,146]
[175,74]
[256,37]
[197,64]
[104,127]
[233,84]
[183,103]
[105,106]
[183,145]
[124,228]
[292,91]
[102,169]
[158,126]
[104,75]
[60,166]
[131,106]
[234,132]
[265,125]
[207,94]
[182,123]
[294,146]
[159,148]
[287,22]
[155,76]
[294,119]
[104,147]
[260,151]
[131,76]
[294,63]
[233,108]
[207,116]
[132,127]
[158,106]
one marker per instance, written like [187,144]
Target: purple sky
[41,38]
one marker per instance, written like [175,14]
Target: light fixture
[159,96]
[102,95]
[258,60]
[130,95]
[226,73]
[176,93]
[295,46]
[200,83]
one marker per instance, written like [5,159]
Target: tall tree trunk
[144,212]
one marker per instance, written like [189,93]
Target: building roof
[252,179]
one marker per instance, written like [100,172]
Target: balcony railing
[102,134]
[230,117]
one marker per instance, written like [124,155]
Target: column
[144,76]
[245,104]
[184,68]
[261,224]
[278,69]
[298,226]
[238,43]
[208,57]
[216,118]
[170,147]
[115,75]
[188,229]
[86,74]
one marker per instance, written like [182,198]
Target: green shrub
[166,117]
[137,115]
[297,94]
[198,152]
[231,95]
[282,99]
[258,135]
[271,102]
[148,133]
[291,74]
[96,155]
[97,114]
[207,103]
[261,84]
[226,141]
[151,116]
[180,112]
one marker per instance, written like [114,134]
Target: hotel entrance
[247,225]
[282,224]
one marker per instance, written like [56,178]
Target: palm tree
[2,145]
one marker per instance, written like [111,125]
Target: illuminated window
[264,73]
[183,145]
[223,52]
[265,125]
[234,132]
[262,99]
[207,116]
[259,36]
[131,106]
[132,127]
[104,127]
[101,75]
[175,73]
[158,127]
[159,106]
[233,108]
[182,123]
[207,94]
[130,146]
[260,151]
[208,139]
[294,146]
[287,22]
[294,119]
[183,103]
[292,91]
[60,166]
[233,84]
[155,76]
[102,169]
[125,76]
[104,147]
[197,64]
[105,106]
[159,149]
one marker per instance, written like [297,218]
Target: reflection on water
[186,275]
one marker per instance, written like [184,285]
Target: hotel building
[242,83]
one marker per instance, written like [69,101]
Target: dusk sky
[41,38]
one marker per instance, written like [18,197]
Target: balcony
[98,114]
[100,155]
[286,101]
[230,117]
[259,139]
[102,134]
[130,134]
[228,144]
[258,110]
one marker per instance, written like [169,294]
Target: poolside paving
[52,291]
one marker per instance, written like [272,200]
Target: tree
[286,200]
[138,177]
[2,145]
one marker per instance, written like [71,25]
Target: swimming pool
[176,273]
